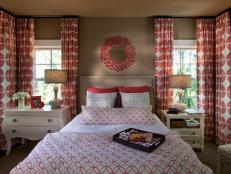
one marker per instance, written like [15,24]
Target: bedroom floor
[18,153]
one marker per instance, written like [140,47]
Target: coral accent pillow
[94,115]
[98,97]
[138,89]
[102,90]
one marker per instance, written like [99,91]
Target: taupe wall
[94,31]
[47,28]
[185,28]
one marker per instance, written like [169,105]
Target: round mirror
[117,53]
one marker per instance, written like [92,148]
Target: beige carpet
[208,157]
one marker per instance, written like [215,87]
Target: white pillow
[135,99]
[104,100]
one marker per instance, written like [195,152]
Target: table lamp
[181,82]
[55,76]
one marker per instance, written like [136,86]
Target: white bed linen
[74,126]
[89,149]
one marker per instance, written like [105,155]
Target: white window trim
[43,44]
[184,44]
[47,43]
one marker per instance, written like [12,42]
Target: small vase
[21,103]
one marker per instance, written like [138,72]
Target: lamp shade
[180,81]
[55,76]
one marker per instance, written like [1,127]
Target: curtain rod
[6,11]
[27,16]
[228,9]
[184,17]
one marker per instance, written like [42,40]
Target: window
[184,62]
[46,57]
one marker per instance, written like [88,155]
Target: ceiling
[116,8]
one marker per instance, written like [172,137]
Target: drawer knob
[194,142]
[194,133]
[49,120]
[13,131]
[48,131]
[14,120]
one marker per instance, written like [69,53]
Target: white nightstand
[33,124]
[193,136]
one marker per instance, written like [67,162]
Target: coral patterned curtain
[205,32]
[25,45]
[7,65]
[69,43]
[223,79]
[163,61]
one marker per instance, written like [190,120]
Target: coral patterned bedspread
[80,153]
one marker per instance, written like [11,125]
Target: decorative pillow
[135,99]
[93,115]
[98,97]
[102,90]
[138,89]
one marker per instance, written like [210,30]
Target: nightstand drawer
[32,133]
[31,121]
[194,143]
[189,132]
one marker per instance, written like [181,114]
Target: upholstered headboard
[112,81]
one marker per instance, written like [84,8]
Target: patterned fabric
[135,99]
[104,100]
[69,42]
[224,153]
[24,49]
[90,153]
[205,32]
[7,65]
[223,78]
[163,61]
[136,115]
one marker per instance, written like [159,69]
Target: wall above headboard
[94,31]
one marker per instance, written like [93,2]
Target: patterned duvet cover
[96,153]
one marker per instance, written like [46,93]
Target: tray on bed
[123,138]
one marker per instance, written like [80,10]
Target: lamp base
[180,106]
[56,103]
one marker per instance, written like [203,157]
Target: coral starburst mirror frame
[117,53]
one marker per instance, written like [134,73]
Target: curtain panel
[223,79]
[25,45]
[7,65]
[205,33]
[69,47]
[163,61]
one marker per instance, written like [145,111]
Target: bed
[88,148]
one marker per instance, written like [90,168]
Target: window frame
[43,45]
[46,45]
[187,45]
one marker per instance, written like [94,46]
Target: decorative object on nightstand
[20,96]
[33,124]
[192,132]
[36,102]
[55,76]
[181,82]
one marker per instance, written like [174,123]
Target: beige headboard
[112,81]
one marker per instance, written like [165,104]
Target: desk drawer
[31,121]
